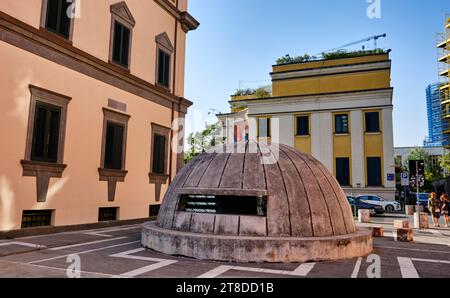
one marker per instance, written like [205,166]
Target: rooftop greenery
[329,55]
[258,93]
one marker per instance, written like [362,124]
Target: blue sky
[239,40]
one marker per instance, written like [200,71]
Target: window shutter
[159,154]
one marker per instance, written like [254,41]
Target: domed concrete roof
[303,198]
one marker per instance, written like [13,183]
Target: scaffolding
[443,56]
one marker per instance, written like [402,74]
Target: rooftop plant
[258,93]
[329,55]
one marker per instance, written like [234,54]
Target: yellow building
[337,109]
[443,45]
[90,90]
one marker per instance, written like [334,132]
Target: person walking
[446,209]
[434,208]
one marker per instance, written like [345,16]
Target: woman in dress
[446,209]
[434,208]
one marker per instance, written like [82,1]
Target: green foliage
[418,154]
[288,59]
[445,162]
[201,141]
[329,55]
[259,93]
[243,92]
[346,54]
[262,93]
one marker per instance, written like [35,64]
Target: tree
[201,141]
[418,154]
[445,163]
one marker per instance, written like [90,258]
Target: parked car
[374,209]
[388,206]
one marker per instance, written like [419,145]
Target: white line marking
[59,269]
[128,255]
[102,233]
[407,268]
[431,261]
[435,232]
[39,246]
[357,267]
[86,243]
[216,272]
[85,252]
[149,268]
[414,249]
[78,232]
[302,270]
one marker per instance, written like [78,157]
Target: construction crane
[374,38]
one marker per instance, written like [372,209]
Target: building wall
[78,195]
[322,89]
[326,146]
[331,76]
[96,15]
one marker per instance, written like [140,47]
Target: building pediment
[121,9]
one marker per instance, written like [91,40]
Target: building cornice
[322,110]
[313,96]
[47,46]
[188,22]
[331,70]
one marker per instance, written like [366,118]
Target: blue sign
[391,177]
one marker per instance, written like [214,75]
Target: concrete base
[363,216]
[409,209]
[405,235]
[423,220]
[256,249]
[401,224]
[377,232]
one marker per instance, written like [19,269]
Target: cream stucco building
[338,110]
[89,93]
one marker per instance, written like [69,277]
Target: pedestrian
[446,209]
[434,208]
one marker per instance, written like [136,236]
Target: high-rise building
[90,90]
[435,135]
[443,46]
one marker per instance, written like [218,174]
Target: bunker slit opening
[224,204]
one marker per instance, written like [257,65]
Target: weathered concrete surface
[377,232]
[227,225]
[409,209]
[422,221]
[257,249]
[363,216]
[405,235]
[401,224]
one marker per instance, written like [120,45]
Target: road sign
[405,179]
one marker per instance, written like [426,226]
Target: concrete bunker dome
[229,205]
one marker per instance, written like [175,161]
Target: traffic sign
[405,179]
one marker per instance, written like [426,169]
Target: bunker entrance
[224,205]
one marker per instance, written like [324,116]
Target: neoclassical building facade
[337,110]
[90,90]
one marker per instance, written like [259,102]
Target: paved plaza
[116,252]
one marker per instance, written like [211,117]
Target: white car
[388,206]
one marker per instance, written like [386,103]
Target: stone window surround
[126,20]
[44,20]
[163,44]
[110,175]
[43,171]
[163,131]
